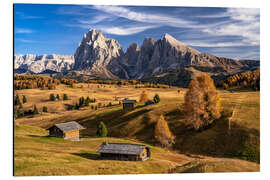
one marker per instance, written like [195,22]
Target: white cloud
[23,31]
[236,53]
[24,16]
[244,23]
[25,40]
[161,19]
[124,30]
[214,44]
[95,19]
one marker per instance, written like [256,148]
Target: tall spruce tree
[17,101]
[156,98]
[24,99]
[35,111]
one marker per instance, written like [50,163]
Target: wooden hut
[128,103]
[124,152]
[69,130]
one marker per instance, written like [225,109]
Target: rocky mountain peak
[40,63]
[168,38]
[133,47]
[148,43]
[95,52]
[93,35]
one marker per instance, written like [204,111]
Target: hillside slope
[35,154]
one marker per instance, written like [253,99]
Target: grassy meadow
[215,149]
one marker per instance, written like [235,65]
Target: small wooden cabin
[124,152]
[69,130]
[128,103]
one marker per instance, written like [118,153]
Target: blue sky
[58,29]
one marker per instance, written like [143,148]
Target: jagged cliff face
[164,54]
[95,53]
[41,63]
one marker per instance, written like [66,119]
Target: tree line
[34,81]
[18,107]
[248,79]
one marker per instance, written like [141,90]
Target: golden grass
[137,124]
[35,154]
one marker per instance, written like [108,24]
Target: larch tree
[163,134]
[202,102]
[144,96]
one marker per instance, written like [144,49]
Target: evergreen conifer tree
[24,99]
[65,97]
[156,99]
[44,109]
[102,130]
[58,97]
[35,111]
[52,97]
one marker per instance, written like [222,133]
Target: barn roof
[119,148]
[126,100]
[69,126]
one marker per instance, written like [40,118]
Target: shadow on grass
[216,140]
[112,119]
[91,156]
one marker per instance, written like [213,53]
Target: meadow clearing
[215,149]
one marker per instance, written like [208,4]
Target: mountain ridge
[101,57]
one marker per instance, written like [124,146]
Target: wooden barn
[124,152]
[69,130]
[128,104]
